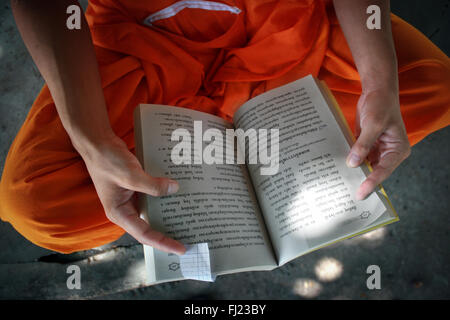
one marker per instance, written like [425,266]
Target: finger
[142,182]
[381,172]
[363,145]
[127,217]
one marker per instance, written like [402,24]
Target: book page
[214,204]
[310,201]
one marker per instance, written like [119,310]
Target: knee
[424,98]
[21,206]
[53,215]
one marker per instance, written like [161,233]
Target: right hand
[382,137]
[117,176]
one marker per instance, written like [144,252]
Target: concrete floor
[413,254]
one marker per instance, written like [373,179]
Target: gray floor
[413,254]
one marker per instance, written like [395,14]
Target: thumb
[154,186]
[363,145]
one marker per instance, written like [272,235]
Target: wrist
[389,90]
[382,78]
[389,86]
[89,145]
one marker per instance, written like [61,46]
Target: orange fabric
[207,60]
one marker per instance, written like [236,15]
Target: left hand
[381,138]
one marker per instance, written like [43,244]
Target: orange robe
[202,59]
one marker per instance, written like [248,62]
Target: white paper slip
[195,263]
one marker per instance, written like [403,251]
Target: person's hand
[381,138]
[117,176]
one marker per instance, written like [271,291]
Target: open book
[253,221]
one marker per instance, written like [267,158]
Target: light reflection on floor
[372,238]
[328,269]
[307,288]
[377,234]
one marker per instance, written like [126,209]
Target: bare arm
[63,56]
[373,50]
[381,132]
[67,62]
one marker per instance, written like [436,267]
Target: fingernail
[359,196]
[353,160]
[181,252]
[180,248]
[173,187]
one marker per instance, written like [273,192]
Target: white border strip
[180,5]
